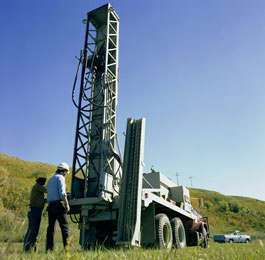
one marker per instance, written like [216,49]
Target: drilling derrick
[115,202]
[96,168]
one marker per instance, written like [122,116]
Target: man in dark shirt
[34,214]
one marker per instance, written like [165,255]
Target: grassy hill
[18,176]
[231,212]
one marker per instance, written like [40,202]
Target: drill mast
[95,160]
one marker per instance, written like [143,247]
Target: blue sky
[194,69]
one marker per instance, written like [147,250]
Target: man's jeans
[34,217]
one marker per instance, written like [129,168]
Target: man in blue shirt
[58,205]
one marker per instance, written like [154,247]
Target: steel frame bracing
[95,160]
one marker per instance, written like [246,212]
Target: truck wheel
[247,241]
[231,241]
[163,232]
[179,235]
[205,243]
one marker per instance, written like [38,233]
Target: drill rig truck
[113,202]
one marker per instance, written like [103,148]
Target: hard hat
[41,175]
[63,166]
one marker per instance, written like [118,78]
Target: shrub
[234,206]
[216,200]
[208,204]
[223,206]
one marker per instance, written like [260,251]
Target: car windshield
[233,232]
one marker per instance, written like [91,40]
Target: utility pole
[177,175]
[191,181]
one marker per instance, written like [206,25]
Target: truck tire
[247,241]
[205,243]
[179,235]
[163,232]
[231,241]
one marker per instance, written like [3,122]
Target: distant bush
[249,211]
[223,206]
[208,204]
[216,200]
[234,206]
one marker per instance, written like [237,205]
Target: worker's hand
[67,207]
[66,204]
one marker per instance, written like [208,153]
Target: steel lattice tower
[95,160]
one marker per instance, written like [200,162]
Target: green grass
[255,250]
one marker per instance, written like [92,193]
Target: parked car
[234,236]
